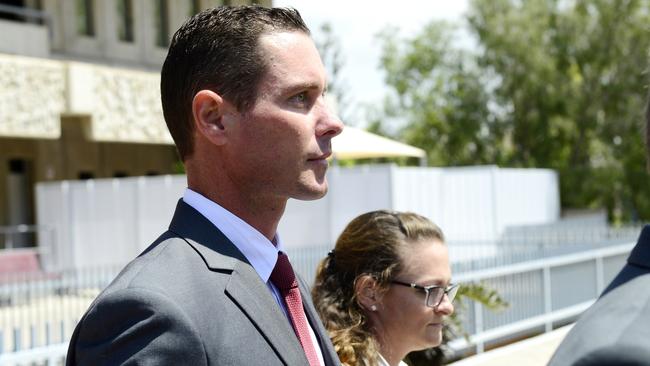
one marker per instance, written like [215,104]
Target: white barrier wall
[105,221]
[108,221]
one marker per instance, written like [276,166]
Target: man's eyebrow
[304,86]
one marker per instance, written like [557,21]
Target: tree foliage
[440,95]
[329,47]
[553,84]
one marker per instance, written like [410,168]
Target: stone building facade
[79,92]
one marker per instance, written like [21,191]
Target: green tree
[329,47]
[553,84]
[572,77]
[439,94]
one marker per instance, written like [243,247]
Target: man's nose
[329,124]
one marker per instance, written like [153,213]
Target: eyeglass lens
[435,296]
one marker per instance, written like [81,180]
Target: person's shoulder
[640,255]
[613,354]
[616,322]
[153,263]
[133,325]
[621,310]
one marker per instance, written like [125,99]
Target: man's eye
[300,98]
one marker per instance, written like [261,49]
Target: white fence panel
[358,190]
[306,224]
[469,204]
[105,221]
[109,221]
[525,197]
[420,190]
[156,200]
[52,208]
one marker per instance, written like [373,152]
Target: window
[30,11]
[162,23]
[13,11]
[85,18]
[125,20]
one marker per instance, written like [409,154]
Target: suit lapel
[640,255]
[254,298]
[245,287]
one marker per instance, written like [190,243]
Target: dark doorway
[20,204]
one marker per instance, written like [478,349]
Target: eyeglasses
[434,293]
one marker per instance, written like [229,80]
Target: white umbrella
[354,143]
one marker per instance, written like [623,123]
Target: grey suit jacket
[191,298]
[616,329]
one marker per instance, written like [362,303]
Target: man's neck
[262,213]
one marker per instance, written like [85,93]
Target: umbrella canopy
[354,143]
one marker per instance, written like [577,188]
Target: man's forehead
[292,57]
[277,43]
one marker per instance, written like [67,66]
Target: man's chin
[312,192]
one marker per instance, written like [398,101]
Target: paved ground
[536,351]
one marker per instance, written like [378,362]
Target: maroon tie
[284,279]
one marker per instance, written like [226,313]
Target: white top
[258,250]
[383,362]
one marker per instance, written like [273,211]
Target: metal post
[600,276]
[478,325]
[9,241]
[62,331]
[48,334]
[32,336]
[548,303]
[17,340]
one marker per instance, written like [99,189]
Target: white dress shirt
[258,250]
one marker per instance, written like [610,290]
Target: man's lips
[321,157]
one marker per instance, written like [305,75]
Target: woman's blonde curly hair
[370,245]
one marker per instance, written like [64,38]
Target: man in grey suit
[616,329]
[242,93]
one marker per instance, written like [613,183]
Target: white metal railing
[558,277]
[21,236]
[38,319]
[50,355]
[38,312]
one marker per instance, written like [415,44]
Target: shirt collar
[258,250]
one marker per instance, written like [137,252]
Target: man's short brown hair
[218,49]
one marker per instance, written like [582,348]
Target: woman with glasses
[385,289]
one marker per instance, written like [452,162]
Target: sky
[356,23]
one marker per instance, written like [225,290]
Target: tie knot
[283,276]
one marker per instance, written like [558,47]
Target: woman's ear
[367,292]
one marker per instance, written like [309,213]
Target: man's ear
[367,292]
[209,110]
